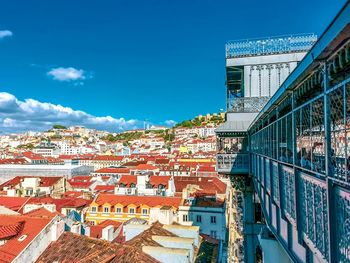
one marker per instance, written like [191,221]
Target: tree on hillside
[59,127]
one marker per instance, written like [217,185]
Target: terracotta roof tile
[207,184]
[30,226]
[75,248]
[13,203]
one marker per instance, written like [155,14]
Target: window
[213,219]
[144,211]
[106,210]
[199,219]
[131,210]
[132,185]
[93,209]
[92,223]
[213,233]
[185,218]
[118,210]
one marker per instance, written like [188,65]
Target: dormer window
[149,186]
[93,209]
[131,210]
[132,185]
[106,210]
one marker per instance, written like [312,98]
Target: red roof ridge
[8,231]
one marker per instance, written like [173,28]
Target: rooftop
[76,248]
[19,231]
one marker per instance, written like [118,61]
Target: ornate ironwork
[238,187]
[247,104]
[275,182]
[288,180]
[314,220]
[269,46]
[342,201]
[227,163]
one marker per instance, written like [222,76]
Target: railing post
[297,201]
[329,170]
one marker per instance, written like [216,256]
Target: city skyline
[100,66]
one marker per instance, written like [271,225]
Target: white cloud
[5,33]
[30,114]
[170,122]
[67,74]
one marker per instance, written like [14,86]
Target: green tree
[59,127]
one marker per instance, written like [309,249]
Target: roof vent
[21,238]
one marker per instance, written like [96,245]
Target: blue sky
[125,61]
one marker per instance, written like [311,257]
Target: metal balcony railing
[271,45]
[247,104]
[232,163]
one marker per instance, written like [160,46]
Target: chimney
[107,233]
[76,228]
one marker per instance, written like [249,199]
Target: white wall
[38,245]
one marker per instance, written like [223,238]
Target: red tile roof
[33,156]
[96,231]
[107,158]
[207,184]
[45,181]
[41,212]
[206,169]
[127,180]
[13,161]
[8,231]
[77,248]
[144,167]
[61,203]
[31,227]
[83,182]
[155,180]
[105,188]
[162,161]
[13,203]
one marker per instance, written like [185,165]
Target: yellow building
[124,207]
[183,149]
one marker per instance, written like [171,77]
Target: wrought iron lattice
[314,221]
[288,197]
[338,140]
[228,162]
[247,104]
[238,187]
[268,175]
[275,182]
[342,201]
[317,136]
[271,45]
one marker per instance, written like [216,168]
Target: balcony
[269,46]
[232,163]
